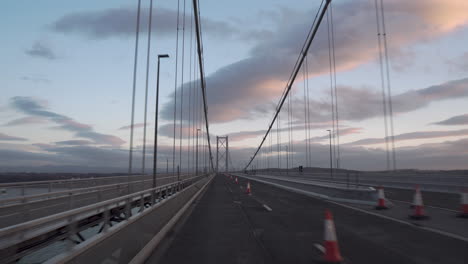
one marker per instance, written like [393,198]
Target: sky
[67,75]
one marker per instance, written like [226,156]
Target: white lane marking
[430,206]
[319,247]
[267,208]
[403,222]
[364,211]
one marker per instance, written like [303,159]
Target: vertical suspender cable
[182,91]
[309,144]
[175,89]
[332,91]
[306,139]
[278,142]
[190,124]
[338,154]
[384,100]
[389,90]
[146,87]
[130,159]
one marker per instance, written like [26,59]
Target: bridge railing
[67,224]
[23,209]
[429,181]
[15,189]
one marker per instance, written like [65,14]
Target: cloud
[26,121]
[412,136]
[120,22]
[446,155]
[5,137]
[74,142]
[343,132]
[456,120]
[35,79]
[136,125]
[39,50]
[167,130]
[236,89]
[35,108]
[459,63]
[242,135]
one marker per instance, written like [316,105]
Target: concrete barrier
[120,243]
[330,191]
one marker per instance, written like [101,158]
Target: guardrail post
[23,191]
[128,211]
[142,202]
[153,197]
[72,228]
[70,201]
[106,219]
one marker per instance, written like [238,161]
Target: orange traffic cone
[237,180]
[418,206]
[248,191]
[414,196]
[381,199]
[332,251]
[464,204]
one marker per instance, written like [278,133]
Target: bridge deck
[228,226]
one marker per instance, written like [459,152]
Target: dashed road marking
[319,247]
[267,208]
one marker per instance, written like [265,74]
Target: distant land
[43,173]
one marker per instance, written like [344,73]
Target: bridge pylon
[222,154]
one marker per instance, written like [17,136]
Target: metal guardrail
[432,182]
[23,188]
[38,233]
[58,194]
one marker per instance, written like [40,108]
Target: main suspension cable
[321,12]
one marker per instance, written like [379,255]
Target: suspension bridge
[276,208]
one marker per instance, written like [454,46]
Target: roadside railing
[70,223]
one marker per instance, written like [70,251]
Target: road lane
[290,232]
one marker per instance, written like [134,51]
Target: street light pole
[196,155]
[331,159]
[155,150]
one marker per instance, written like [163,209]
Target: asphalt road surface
[277,226]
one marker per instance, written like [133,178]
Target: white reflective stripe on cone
[330,234]
[418,199]
[381,194]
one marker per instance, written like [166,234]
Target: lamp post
[155,151]
[196,155]
[331,160]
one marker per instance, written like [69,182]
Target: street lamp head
[163,56]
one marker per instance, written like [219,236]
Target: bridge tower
[222,153]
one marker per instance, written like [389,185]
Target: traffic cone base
[378,207]
[464,205]
[419,217]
